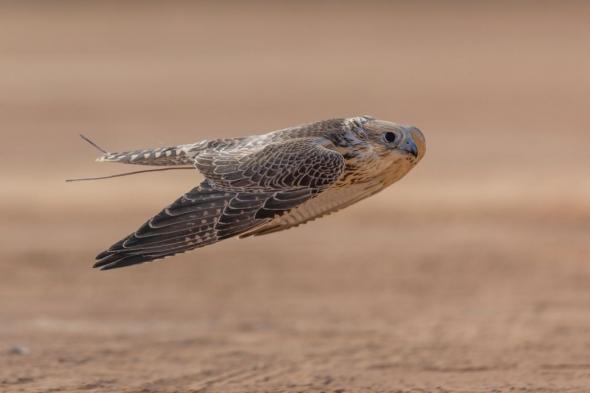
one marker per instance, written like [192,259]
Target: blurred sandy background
[470,275]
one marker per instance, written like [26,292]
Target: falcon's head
[394,149]
[391,140]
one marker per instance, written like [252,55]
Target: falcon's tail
[169,156]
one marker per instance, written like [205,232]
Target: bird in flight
[260,184]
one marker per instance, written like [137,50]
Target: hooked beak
[410,147]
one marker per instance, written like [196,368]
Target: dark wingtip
[108,260]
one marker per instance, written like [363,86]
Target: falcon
[261,184]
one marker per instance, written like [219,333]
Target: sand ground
[470,275]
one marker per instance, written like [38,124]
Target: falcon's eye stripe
[389,137]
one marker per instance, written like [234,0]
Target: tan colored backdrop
[471,274]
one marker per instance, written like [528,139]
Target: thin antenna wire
[94,144]
[128,173]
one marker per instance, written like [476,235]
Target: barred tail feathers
[161,156]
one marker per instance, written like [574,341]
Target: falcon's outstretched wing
[241,193]
[328,202]
[298,163]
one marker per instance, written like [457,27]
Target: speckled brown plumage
[267,183]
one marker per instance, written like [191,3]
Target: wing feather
[329,201]
[279,166]
[240,194]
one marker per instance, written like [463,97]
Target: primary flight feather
[261,184]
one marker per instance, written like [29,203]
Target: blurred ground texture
[470,275]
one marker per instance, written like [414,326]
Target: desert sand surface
[472,274]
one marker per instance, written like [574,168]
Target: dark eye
[389,137]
